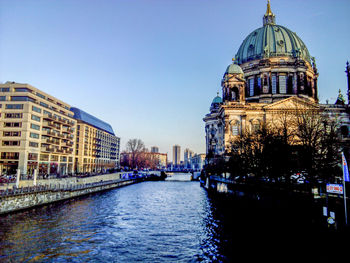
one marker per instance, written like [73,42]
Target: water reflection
[147,222]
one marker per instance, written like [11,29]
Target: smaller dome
[217,99]
[215,105]
[234,69]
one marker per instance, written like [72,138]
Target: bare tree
[135,147]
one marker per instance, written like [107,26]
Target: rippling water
[169,221]
[148,222]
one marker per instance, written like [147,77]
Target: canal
[166,221]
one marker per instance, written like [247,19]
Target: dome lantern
[269,17]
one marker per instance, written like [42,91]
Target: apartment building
[97,147]
[37,131]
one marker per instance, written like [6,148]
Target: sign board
[325,212]
[335,188]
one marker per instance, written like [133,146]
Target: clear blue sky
[151,68]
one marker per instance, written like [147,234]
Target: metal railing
[56,187]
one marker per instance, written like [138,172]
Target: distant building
[160,159]
[176,155]
[154,149]
[187,158]
[145,159]
[197,161]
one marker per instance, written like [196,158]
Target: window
[2,98]
[274,85]
[32,156]
[4,89]
[12,124]
[11,156]
[47,112]
[251,87]
[12,133]
[22,90]
[21,98]
[44,157]
[36,109]
[35,118]
[43,104]
[34,135]
[13,115]
[33,144]
[283,84]
[34,126]
[10,143]
[235,129]
[14,106]
[40,95]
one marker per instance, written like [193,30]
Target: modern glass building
[97,147]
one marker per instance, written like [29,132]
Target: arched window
[255,125]
[251,87]
[235,94]
[235,128]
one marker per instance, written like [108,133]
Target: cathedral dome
[271,40]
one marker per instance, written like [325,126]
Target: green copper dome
[271,40]
[217,99]
[234,69]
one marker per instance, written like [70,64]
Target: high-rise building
[187,158]
[176,155]
[154,149]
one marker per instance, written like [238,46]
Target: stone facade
[273,75]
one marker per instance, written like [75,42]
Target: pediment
[235,79]
[292,103]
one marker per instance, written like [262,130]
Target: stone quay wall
[28,197]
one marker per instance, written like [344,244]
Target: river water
[169,221]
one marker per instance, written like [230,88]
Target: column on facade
[23,161]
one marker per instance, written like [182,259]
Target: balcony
[58,150]
[51,141]
[50,133]
[68,143]
[51,125]
[48,116]
[47,149]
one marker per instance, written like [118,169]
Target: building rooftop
[89,119]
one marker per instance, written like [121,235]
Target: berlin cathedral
[271,73]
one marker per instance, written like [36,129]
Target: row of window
[22,89]
[282,79]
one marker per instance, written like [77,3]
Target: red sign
[335,188]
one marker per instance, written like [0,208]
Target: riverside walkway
[45,191]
